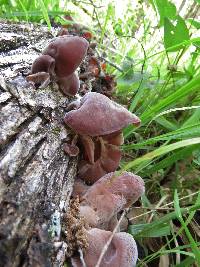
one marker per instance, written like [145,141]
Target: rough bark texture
[36,177]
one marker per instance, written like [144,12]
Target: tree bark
[36,177]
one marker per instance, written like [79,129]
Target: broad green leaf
[166,9]
[190,87]
[189,131]
[175,35]
[178,251]
[193,119]
[166,123]
[168,161]
[183,91]
[160,151]
[186,262]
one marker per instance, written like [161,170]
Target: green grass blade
[45,13]
[182,133]
[188,88]
[178,211]
[168,161]
[145,231]
[161,151]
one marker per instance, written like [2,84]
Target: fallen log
[36,176]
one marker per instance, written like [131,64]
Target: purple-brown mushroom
[109,195]
[69,85]
[122,251]
[98,115]
[60,59]
[99,122]
[43,63]
[68,52]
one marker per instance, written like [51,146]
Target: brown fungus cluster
[58,63]
[99,206]
[99,122]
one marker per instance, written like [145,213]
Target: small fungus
[94,67]
[71,150]
[87,35]
[60,59]
[43,63]
[122,251]
[99,122]
[109,195]
[69,85]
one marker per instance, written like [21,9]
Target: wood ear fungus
[99,122]
[60,60]
[109,195]
[122,252]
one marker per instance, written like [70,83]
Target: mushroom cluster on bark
[58,63]
[99,122]
[99,206]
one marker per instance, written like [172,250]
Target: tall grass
[154,49]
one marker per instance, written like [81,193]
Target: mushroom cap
[89,147]
[110,157]
[69,85]
[79,188]
[116,138]
[90,172]
[127,185]
[110,194]
[43,63]
[98,115]
[122,251]
[68,52]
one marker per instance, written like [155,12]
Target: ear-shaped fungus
[60,59]
[122,251]
[68,52]
[43,63]
[99,121]
[109,195]
[69,85]
[98,115]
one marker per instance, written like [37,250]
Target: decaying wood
[36,177]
